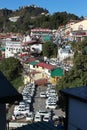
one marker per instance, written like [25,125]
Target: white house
[65,53]
[12,47]
[36,47]
[32,45]
[41,32]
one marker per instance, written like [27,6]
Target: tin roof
[8,94]
[33,63]
[30,59]
[45,65]
[57,72]
[77,93]
[47,38]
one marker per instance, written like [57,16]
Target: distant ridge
[26,17]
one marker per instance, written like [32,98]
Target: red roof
[31,59]
[41,81]
[45,65]
[41,30]
[22,55]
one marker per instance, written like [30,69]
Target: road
[39,103]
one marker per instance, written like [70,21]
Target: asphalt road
[39,103]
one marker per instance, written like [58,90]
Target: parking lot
[36,103]
[40,103]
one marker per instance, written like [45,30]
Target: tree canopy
[33,16]
[11,68]
[77,76]
[49,49]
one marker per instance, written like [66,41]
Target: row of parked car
[44,115]
[51,97]
[23,109]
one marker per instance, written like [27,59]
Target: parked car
[42,94]
[19,116]
[37,118]
[46,118]
[43,113]
[55,117]
[30,117]
[51,106]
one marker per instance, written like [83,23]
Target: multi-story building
[41,32]
[12,47]
[76,31]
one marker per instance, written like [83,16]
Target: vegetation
[18,82]
[77,76]
[12,69]
[49,49]
[32,16]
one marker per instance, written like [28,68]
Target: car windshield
[43,111]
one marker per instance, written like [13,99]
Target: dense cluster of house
[16,45]
[21,46]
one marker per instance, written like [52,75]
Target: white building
[12,47]
[36,48]
[65,53]
[33,45]
[41,32]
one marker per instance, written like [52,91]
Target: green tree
[11,68]
[31,15]
[49,49]
[77,76]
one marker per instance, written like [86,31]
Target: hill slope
[24,18]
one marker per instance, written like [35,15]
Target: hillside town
[40,74]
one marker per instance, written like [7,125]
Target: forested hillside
[32,16]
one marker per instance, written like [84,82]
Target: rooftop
[77,92]
[45,65]
[57,72]
[33,63]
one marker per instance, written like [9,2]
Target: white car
[16,112]
[24,112]
[43,113]
[37,118]
[51,101]
[51,106]
[19,116]
[42,94]
[30,116]
[22,103]
[55,117]
[46,118]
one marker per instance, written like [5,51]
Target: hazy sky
[77,7]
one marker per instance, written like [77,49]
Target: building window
[71,29]
[80,27]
